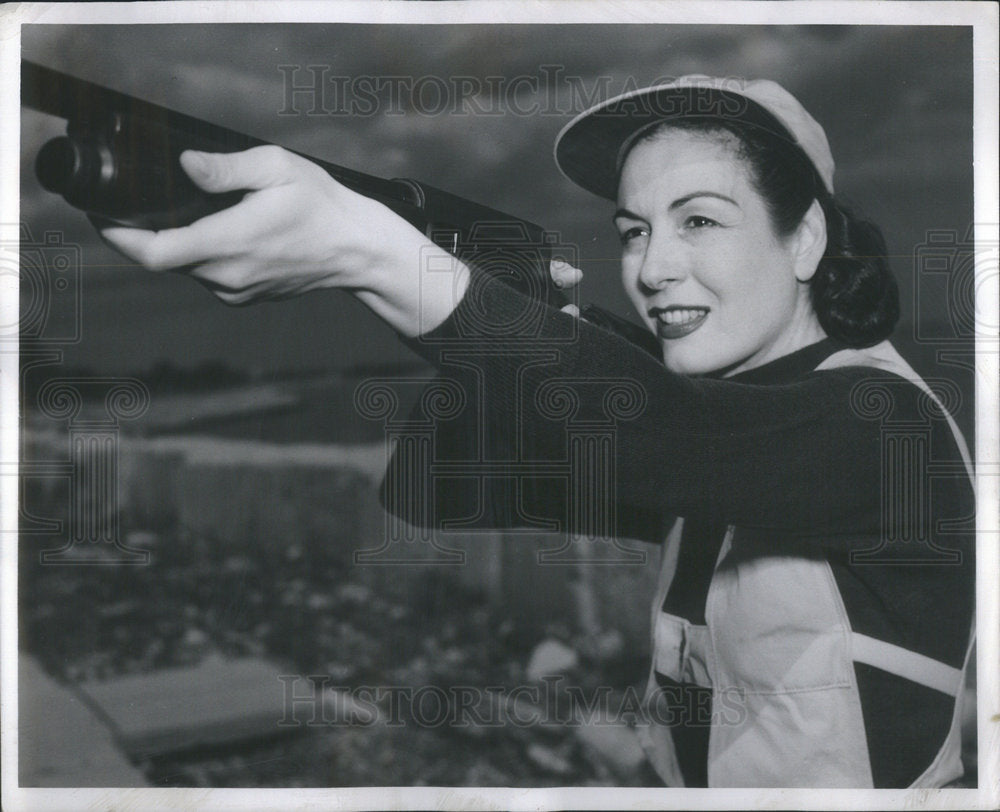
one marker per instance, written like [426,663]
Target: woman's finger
[256,168]
[572,309]
[171,248]
[135,243]
[223,233]
[563,274]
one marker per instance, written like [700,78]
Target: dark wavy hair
[853,291]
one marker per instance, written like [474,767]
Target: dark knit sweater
[782,448]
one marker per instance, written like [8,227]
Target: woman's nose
[662,265]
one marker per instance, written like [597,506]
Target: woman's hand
[296,230]
[566,276]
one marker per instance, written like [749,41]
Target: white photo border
[981,16]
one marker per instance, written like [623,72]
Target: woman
[793,645]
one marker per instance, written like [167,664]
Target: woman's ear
[809,242]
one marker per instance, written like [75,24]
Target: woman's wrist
[415,286]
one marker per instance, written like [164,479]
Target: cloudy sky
[896,103]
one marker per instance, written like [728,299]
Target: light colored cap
[591,149]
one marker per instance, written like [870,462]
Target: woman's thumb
[563,274]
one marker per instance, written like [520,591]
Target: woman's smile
[678,321]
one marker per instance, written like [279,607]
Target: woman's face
[700,259]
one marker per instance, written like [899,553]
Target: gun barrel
[57,162]
[119,161]
[112,134]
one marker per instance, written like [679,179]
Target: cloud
[895,102]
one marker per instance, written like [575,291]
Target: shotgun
[119,161]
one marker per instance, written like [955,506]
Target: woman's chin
[687,360]
[684,366]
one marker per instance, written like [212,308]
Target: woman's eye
[697,221]
[633,233]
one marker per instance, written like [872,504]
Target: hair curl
[853,292]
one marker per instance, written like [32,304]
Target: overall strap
[906,663]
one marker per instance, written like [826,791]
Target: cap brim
[589,149]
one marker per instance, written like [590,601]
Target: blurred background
[250,477]
[896,104]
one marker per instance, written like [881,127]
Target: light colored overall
[778,653]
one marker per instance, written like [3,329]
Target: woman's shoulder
[879,372]
[884,386]
[882,356]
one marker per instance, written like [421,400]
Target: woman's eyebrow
[626,214]
[682,200]
[676,204]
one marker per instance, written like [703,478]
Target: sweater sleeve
[796,457]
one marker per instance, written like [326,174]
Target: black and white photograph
[499,405]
